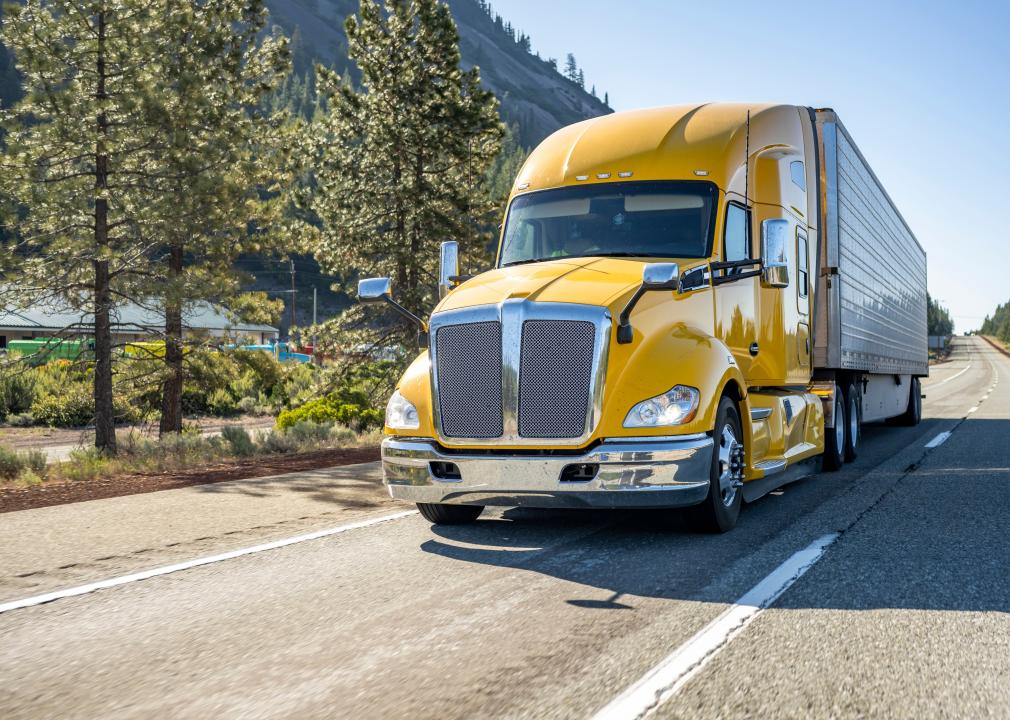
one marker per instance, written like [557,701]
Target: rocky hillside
[533,94]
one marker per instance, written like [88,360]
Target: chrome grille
[555,374]
[469,366]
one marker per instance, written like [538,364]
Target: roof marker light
[581,177]
[602,176]
[701,173]
[523,186]
[626,173]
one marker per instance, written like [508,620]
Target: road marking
[667,678]
[166,569]
[952,377]
[938,440]
[974,409]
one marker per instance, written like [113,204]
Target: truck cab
[646,337]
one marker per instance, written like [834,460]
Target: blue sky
[923,87]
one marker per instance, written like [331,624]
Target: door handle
[754,349]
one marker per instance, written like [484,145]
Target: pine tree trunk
[105,420]
[171,399]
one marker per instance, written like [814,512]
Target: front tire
[719,511]
[441,514]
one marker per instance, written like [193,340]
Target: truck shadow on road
[938,541]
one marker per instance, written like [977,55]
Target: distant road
[368,611]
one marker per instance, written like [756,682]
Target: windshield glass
[632,219]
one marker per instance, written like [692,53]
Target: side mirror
[661,276]
[775,253]
[375,290]
[448,270]
[655,276]
[379,290]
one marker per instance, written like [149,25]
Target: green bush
[346,406]
[238,441]
[278,442]
[74,406]
[308,433]
[11,463]
[17,389]
[221,403]
[37,461]
[21,420]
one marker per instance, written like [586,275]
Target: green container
[42,350]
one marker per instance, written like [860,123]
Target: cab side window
[737,236]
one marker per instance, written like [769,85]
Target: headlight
[674,407]
[401,413]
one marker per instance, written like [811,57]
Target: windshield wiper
[524,262]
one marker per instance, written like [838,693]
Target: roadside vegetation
[997,325]
[179,452]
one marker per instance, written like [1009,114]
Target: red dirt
[59,493]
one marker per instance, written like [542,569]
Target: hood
[588,281]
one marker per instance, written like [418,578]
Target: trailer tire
[720,509]
[442,514]
[913,414]
[853,423]
[834,438]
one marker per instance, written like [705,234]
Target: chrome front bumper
[647,472]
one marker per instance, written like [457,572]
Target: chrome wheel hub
[730,465]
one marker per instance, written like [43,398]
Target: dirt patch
[997,344]
[59,493]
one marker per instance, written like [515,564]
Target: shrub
[21,420]
[17,389]
[238,441]
[309,433]
[347,408]
[278,442]
[221,403]
[30,477]
[36,461]
[86,464]
[71,407]
[11,464]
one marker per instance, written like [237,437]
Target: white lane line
[667,678]
[166,569]
[974,409]
[938,440]
[952,377]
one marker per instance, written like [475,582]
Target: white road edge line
[667,678]
[952,377]
[166,569]
[938,440]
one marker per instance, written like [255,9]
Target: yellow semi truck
[690,306]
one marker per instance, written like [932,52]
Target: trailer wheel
[719,511]
[442,514]
[853,423]
[834,438]
[913,414]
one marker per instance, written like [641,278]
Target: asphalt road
[535,613]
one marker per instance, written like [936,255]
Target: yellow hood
[589,281]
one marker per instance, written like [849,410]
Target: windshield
[632,219]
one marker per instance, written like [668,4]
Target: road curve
[557,613]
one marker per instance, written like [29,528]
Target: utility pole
[291,337]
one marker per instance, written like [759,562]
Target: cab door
[736,297]
[803,348]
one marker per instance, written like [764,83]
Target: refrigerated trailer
[690,306]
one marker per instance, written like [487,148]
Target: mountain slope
[533,94]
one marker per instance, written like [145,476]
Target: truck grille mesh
[555,374]
[469,379]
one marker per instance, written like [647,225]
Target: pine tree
[81,151]
[224,151]
[581,80]
[571,68]
[606,99]
[400,164]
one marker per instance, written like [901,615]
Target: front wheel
[721,508]
[441,514]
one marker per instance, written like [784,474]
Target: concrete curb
[996,344]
